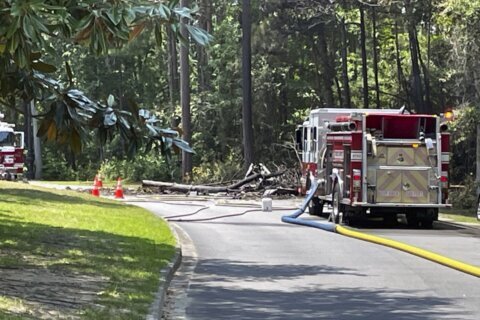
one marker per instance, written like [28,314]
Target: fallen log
[209,189]
[183,187]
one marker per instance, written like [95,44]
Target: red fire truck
[375,163]
[11,151]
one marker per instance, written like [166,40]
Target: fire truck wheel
[336,206]
[390,219]
[478,208]
[412,219]
[427,223]
[315,207]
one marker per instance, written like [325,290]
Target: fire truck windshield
[6,138]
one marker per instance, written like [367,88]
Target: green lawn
[70,255]
[460,215]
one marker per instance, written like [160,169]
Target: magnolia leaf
[43,67]
[69,73]
[136,31]
[182,144]
[110,119]
[199,35]
[144,113]
[110,100]
[168,132]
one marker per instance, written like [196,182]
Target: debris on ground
[258,181]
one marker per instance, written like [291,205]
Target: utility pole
[247,84]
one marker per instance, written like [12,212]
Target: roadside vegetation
[69,255]
[465,216]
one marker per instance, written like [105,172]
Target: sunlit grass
[460,215]
[73,234]
[460,218]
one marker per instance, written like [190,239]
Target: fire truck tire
[337,208]
[390,219]
[315,207]
[427,223]
[412,219]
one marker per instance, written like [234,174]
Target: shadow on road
[213,293]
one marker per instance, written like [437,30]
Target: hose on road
[327,226]
[451,263]
[294,217]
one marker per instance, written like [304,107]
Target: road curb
[460,224]
[166,275]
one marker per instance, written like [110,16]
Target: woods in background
[421,54]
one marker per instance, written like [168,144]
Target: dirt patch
[47,294]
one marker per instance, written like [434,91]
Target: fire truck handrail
[403,167]
[400,141]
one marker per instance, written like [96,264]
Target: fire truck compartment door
[402,186]
[415,186]
[398,156]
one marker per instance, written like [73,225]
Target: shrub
[142,167]
[465,198]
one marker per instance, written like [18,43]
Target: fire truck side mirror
[19,139]
[299,139]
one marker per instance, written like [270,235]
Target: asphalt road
[256,267]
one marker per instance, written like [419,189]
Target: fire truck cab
[11,151]
[375,163]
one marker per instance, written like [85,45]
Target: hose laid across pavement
[327,226]
[451,263]
[294,217]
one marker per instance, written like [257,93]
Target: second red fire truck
[375,163]
[11,151]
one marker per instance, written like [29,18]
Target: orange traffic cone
[119,190]
[99,181]
[95,190]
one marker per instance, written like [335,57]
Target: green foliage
[62,164]
[466,197]
[463,143]
[228,169]
[297,60]
[27,30]
[143,167]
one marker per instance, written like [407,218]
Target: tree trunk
[247,84]
[328,74]
[37,146]
[344,54]
[402,82]
[205,22]
[173,76]
[339,92]
[363,44]
[417,87]
[477,177]
[30,158]
[185,98]
[426,79]
[375,57]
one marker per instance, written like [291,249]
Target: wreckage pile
[258,180]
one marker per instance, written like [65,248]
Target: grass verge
[460,215]
[70,255]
